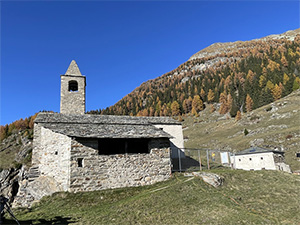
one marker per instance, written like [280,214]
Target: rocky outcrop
[11,178]
[10,181]
[228,47]
[32,190]
[211,178]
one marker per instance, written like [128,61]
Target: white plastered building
[256,158]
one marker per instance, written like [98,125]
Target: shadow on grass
[56,220]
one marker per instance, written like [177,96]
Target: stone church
[74,151]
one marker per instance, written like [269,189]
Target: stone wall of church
[51,153]
[91,171]
[50,170]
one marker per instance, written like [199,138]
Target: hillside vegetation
[16,143]
[242,76]
[276,125]
[260,197]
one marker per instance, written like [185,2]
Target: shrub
[289,136]
[269,108]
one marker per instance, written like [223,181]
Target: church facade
[74,151]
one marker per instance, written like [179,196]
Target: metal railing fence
[190,159]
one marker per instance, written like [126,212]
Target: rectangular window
[80,162]
[111,146]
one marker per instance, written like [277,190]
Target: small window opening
[73,86]
[80,162]
[240,160]
[56,153]
[250,159]
[298,154]
[161,128]
[261,158]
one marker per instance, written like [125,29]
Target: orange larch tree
[249,103]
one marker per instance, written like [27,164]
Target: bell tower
[72,91]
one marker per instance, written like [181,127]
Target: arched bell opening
[73,86]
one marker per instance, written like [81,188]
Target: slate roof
[254,150]
[104,126]
[101,119]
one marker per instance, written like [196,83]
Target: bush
[234,110]
[289,136]
[254,118]
[17,165]
[269,108]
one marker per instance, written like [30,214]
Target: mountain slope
[230,47]
[276,125]
[266,69]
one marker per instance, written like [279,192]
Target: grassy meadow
[255,197]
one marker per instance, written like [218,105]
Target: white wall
[55,153]
[177,141]
[256,161]
[283,167]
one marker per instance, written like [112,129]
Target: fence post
[207,158]
[199,159]
[179,159]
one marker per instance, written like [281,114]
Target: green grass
[9,149]
[208,131]
[7,158]
[260,197]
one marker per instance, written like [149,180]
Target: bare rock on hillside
[257,142]
[9,182]
[210,178]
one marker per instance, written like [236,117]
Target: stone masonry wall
[50,167]
[72,102]
[121,170]
[54,157]
[36,146]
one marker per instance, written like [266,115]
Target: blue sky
[116,44]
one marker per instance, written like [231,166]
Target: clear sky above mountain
[117,45]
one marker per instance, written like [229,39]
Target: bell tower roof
[73,69]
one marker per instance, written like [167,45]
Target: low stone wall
[121,170]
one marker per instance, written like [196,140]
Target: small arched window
[73,85]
